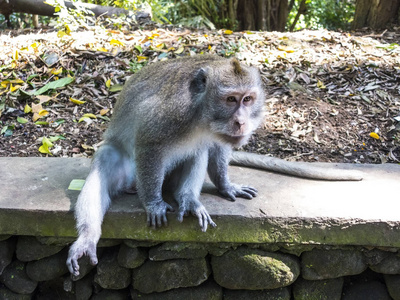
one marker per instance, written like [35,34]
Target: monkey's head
[233,97]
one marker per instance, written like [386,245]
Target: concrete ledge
[34,200]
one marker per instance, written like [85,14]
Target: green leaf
[104,118]
[54,85]
[58,122]
[7,130]
[22,120]
[56,138]
[76,184]
[41,123]
[139,48]
[116,88]
[30,77]
[26,93]
[47,142]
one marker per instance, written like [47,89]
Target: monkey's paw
[77,250]
[157,213]
[197,209]
[235,190]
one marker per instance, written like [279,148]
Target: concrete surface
[34,200]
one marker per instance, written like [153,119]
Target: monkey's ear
[199,82]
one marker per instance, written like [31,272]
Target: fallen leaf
[76,184]
[22,120]
[54,85]
[374,135]
[104,111]
[116,88]
[46,144]
[115,42]
[76,101]
[27,109]
[320,84]
[56,72]
[87,116]
[180,50]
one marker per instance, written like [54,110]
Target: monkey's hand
[234,190]
[81,247]
[157,213]
[197,209]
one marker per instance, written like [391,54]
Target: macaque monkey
[175,120]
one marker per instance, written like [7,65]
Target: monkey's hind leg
[111,172]
[191,178]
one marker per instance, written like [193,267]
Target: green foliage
[231,48]
[21,20]
[70,19]
[201,13]
[329,14]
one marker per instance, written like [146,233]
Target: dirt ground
[331,96]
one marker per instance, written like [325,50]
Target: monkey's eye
[247,99]
[231,99]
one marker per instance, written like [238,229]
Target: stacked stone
[34,268]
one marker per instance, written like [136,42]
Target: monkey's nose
[239,124]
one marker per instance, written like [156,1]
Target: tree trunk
[283,12]
[232,10]
[262,14]
[302,9]
[376,14]
[39,7]
[247,15]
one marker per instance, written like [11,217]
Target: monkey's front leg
[191,177]
[218,161]
[150,177]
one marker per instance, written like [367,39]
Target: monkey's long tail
[298,169]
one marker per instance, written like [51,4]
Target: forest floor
[331,96]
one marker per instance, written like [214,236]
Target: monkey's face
[236,115]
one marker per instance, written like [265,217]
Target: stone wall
[298,239]
[34,268]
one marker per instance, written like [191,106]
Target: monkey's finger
[231,196]
[73,266]
[91,252]
[182,212]
[252,191]
[93,259]
[199,216]
[164,219]
[246,195]
[159,219]
[169,207]
[151,220]
[205,223]
[210,221]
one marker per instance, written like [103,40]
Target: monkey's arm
[191,177]
[293,168]
[150,176]
[219,156]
